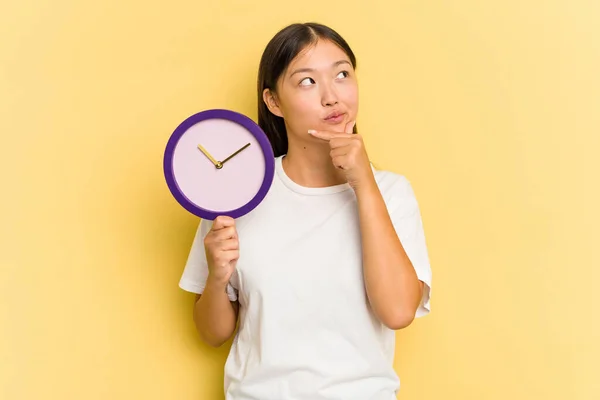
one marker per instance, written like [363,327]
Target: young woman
[334,259]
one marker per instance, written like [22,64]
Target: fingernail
[311,131]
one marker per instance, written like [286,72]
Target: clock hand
[234,154]
[207,154]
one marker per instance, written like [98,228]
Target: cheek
[305,105]
[301,108]
[350,96]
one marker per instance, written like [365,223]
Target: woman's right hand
[222,250]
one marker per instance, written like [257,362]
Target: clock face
[219,162]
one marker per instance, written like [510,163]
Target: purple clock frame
[240,119]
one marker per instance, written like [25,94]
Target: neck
[308,163]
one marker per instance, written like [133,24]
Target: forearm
[392,286]
[215,315]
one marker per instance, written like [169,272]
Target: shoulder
[396,189]
[204,226]
[392,184]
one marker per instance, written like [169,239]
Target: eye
[306,81]
[344,73]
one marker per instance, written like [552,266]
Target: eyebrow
[335,64]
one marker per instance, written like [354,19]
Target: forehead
[320,55]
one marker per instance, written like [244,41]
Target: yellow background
[491,109]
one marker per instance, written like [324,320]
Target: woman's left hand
[348,153]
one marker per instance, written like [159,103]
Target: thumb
[349,126]
[222,221]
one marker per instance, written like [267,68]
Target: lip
[335,117]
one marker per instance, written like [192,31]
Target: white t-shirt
[306,331]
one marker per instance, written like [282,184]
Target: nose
[328,96]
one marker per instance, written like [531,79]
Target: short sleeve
[195,272]
[406,217]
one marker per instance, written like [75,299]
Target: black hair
[276,58]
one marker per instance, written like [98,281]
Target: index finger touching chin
[319,135]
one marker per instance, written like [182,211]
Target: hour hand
[207,154]
[234,154]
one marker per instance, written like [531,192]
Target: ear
[270,99]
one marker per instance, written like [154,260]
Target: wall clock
[218,162]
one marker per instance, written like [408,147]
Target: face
[318,91]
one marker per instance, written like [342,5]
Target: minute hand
[234,154]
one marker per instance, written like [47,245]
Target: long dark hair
[277,56]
